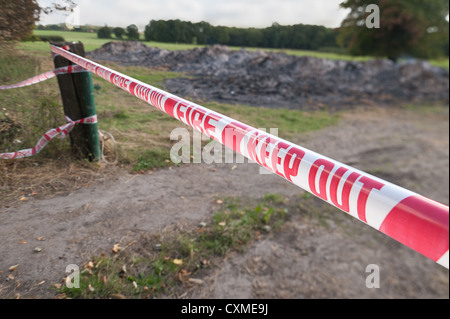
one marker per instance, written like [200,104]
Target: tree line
[298,36]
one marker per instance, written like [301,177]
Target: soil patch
[323,255]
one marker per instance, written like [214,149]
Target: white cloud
[241,13]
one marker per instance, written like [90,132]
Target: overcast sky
[239,13]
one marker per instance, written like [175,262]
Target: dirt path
[304,260]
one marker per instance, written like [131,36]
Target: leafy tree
[157,30]
[219,35]
[202,31]
[104,33]
[119,32]
[133,32]
[412,27]
[17,19]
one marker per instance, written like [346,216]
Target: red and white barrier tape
[416,221]
[64,130]
[45,76]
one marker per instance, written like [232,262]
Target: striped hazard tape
[63,131]
[52,133]
[44,76]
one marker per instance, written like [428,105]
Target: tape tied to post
[69,69]
[61,131]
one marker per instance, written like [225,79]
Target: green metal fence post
[92,129]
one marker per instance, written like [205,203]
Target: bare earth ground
[305,259]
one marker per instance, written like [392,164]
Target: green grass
[442,63]
[152,77]
[92,42]
[151,159]
[318,54]
[171,260]
[429,110]
[234,227]
[288,122]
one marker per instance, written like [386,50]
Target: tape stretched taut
[416,221]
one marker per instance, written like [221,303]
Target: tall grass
[31,110]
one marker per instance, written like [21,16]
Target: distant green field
[92,42]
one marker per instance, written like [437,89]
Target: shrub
[104,33]
[119,32]
[133,32]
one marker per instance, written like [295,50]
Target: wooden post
[78,102]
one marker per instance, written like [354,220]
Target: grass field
[92,42]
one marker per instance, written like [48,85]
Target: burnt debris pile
[262,78]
